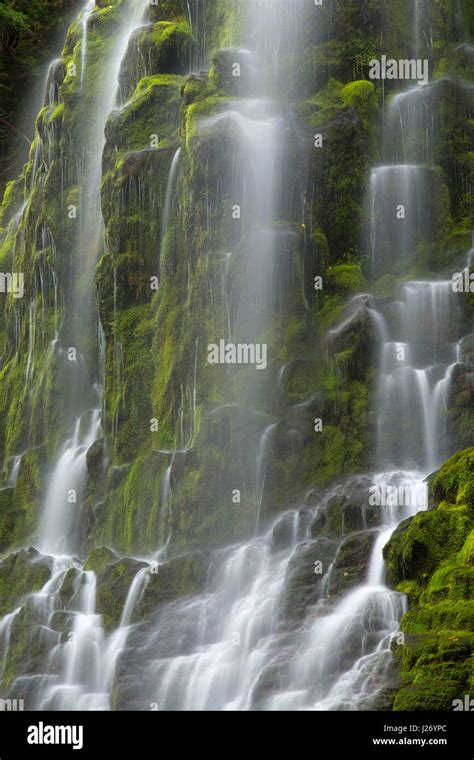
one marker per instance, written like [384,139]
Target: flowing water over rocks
[279,599]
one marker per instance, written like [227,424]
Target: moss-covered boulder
[149,117]
[347,510]
[99,558]
[166,47]
[231,72]
[21,573]
[113,584]
[430,558]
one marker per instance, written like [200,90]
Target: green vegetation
[430,558]
[30,31]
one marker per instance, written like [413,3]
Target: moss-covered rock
[21,573]
[166,47]
[99,558]
[306,576]
[344,117]
[180,577]
[430,558]
[113,583]
[231,72]
[347,510]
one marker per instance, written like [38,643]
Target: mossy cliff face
[187,252]
[171,249]
[430,558]
[44,227]
[188,456]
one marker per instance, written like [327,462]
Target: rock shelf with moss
[430,558]
[176,266]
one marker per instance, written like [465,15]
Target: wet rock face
[164,582]
[305,577]
[354,341]
[232,73]
[292,527]
[21,573]
[113,583]
[166,47]
[351,563]
[180,577]
[460,417]
[336,560]
[346,509]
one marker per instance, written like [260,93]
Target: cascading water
[85,661]
[65,491]
[415,371]
[398,210]
[170,188]
[234,645]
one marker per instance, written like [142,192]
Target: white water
[260,465]
[66,489]
[232,632]
[170,188]
[85,18]
[215,650]
[5,636]
[14,472]
[416,115]
[62,502]
[416,367]
[392,238]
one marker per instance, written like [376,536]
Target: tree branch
[15,129]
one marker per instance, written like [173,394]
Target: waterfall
[398,210]
[66,488]
[231,633]
[414,375]
[85,18]
[62,502]
[170,189]
[15,469]
[84,663]
[416,117]
[296,614]
[260,464]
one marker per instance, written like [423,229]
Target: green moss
[57,112]
[454,482]
[430,556]
[23,572]
[12,200]
[419,544]
[360,95]
[345,279]
[152,110]
[99,558]
[197,111]
[346,118]
[385,286]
